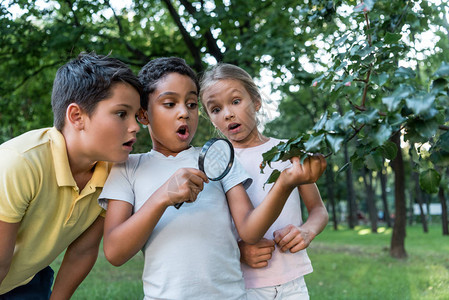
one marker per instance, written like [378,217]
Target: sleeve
[19,183]
[236,175]
[118,186]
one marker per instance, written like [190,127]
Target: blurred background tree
[365,81]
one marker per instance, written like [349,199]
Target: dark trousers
[39,288]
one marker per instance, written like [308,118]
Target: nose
[228,113]
[183,112]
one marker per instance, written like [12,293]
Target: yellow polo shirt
[37,189]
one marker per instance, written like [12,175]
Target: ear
[75,116]
[258,104]
[142,117]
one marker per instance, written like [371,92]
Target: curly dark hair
[157,69]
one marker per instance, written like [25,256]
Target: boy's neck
[168,152]
[81,166]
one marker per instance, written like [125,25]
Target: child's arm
[252,223]
[295,238]
[8,234]
[257,255]
[125,233]
[78,260]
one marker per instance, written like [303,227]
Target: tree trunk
[330,192]
[418,200]
[383,184]
[397,249]
[352,217]
[370,202]
[444,221]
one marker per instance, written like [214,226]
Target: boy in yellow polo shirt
[50,178]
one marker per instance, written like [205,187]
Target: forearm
[4,268]
[8,234]
[78,261]
[125,235]
[318,216]
[264,215]
[73,271]
[316,221]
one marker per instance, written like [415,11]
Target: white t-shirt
[282,267]
[192,252]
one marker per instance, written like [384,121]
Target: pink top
[283,267]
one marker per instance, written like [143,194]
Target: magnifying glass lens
[216,158]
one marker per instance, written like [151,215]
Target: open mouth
[183,132]
[233,126]
[129,143]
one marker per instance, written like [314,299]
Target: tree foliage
[352,74]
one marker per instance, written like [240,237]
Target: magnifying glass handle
[178,205]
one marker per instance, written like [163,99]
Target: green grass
[355,264]
[348,264]
[108,282]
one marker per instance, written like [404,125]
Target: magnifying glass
[215,159]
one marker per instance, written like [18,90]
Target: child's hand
[257,255]
[293,238]
[307,172]
[184,185]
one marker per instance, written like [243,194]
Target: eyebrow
[169,93]
[124,105]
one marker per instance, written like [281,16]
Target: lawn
[355,264]
[348,264]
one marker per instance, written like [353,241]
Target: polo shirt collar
[61,163]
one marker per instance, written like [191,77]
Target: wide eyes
[236,101]
[192,105]
[121,114]
[215,110]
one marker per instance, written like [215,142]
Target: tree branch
[211,42]
[194,50]
[137,53]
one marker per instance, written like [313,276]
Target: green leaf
[313,144]
[344,167]
[273,177]
[426,129]
[380,79]
[381,134]
[438,85]
[346,120]
[395,120]
[368,117]
[420,103]
[440,158]
[341,40]
[391,38]
[443,70]
[318,126]
[374,161]
[402,91]
[405,73]
[391,102]
[429,181]
[388,150]
[335,142]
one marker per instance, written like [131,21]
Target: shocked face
[233,111]
[110,132]
[172,115]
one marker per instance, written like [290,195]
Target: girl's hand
[308,172]
[257,255]
[184,185]
[293,238]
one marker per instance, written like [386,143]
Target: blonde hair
[224,71]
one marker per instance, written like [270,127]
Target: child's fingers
[198,173]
